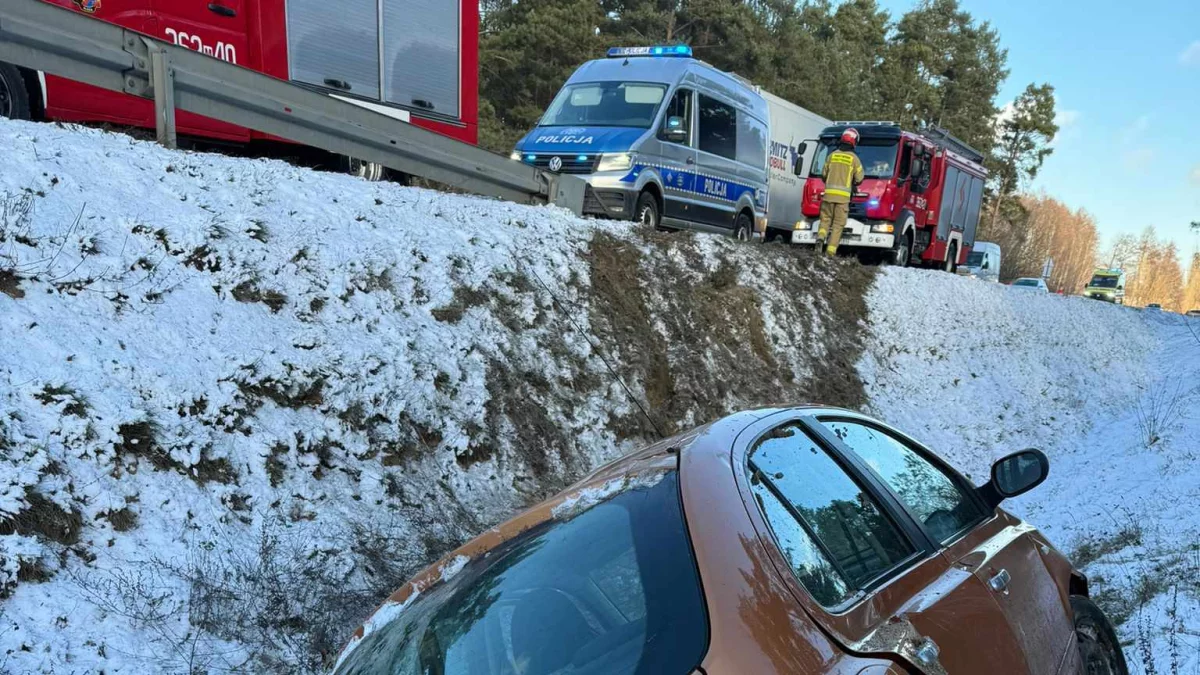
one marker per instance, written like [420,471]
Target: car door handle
[1000,582]
[691,160]
[222,10]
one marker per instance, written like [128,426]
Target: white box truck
[791,125]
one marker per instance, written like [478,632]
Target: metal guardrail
[44,37]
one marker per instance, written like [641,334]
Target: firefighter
[843,172]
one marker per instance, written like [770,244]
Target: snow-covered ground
[241,402]
[1111,394]
[229,387]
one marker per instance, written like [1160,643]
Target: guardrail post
[162,78]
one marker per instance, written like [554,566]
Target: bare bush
[1160,408]
[147,597]
[287,605]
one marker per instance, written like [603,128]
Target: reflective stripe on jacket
[843,171]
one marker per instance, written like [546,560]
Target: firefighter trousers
[833,221]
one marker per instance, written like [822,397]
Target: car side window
[834,535]
[930,494]
[718,128]
[679,110]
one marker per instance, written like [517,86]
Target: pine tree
[527,50]
[1024,134]
[944,69]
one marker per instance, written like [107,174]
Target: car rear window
[611,589]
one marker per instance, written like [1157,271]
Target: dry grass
[46,520]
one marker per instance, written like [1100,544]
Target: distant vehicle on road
[1193,313]
[1154,307]
[1032,284]
[1106,285]
[775,542]
[661,138]
[983,262]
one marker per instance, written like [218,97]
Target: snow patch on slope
[978,370]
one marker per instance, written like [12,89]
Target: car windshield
[975,259]
[1103,282]
[605,104]
[1026,282]
[878,158]
[610,590]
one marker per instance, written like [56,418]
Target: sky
[1127,79]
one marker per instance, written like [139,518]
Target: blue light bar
[683,51]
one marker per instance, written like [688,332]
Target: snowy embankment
[240,402]
[1111,394]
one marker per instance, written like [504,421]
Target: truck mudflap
[856,234]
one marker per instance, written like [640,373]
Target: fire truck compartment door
[421,55]
[974,205]
[217,29]
[949,190]
[335,45]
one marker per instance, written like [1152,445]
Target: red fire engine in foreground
[414,60]
[920,201]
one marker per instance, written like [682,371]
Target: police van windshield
[1103,282]
[878,157]
[605,104]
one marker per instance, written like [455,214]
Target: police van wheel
[743,227]
[14,97]
[647,211]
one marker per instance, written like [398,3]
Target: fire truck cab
[919,203]
[413,60]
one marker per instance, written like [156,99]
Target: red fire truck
[414,60]
[919,204]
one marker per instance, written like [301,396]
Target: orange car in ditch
[772,542]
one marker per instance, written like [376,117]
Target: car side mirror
[1120,288]
[798,167]
[1015,475]
[984,266]
[675,131]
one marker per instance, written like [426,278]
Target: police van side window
[718,128]
[751,141]
[679,111]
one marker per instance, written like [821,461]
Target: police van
[660,138]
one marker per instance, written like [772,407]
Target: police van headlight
[515,156]
[615,161]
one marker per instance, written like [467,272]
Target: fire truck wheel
[14,97]
[951,265]
[368,171]
[901,256]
